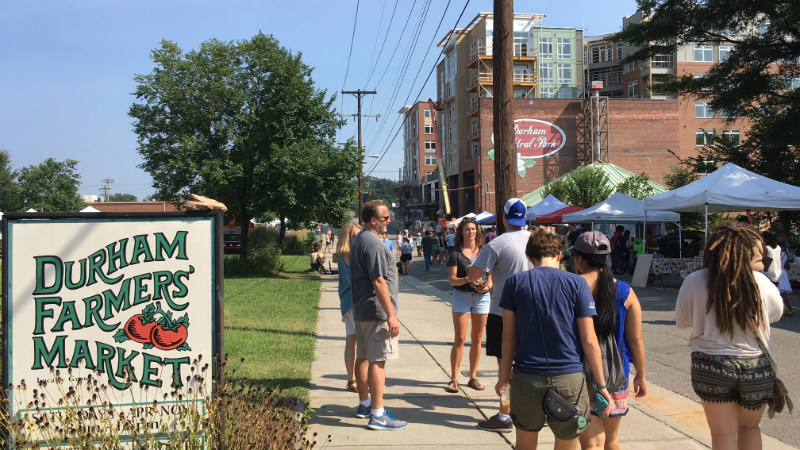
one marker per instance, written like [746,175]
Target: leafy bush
[263,255]
[299,242]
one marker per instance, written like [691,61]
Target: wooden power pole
[505,153]
[359,94]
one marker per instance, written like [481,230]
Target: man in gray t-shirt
[373,284]
[502,257]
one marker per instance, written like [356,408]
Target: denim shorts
[470,302]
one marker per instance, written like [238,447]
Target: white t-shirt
[690,311]
[503,257]
[773,272]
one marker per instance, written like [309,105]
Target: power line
[352,39]
[388,145]
[380,24]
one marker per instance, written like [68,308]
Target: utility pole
[359,94]
[107,187]
[505,162]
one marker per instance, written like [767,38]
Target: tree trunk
[283,231]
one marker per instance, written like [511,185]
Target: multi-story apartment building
[699,123]
[548,63]
[420,180]
[604,63]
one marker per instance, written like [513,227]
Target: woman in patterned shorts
[726,304]
[618,313]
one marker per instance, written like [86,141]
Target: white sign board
[129,300]
[642,270]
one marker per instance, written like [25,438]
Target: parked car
[232,241]
[692,244]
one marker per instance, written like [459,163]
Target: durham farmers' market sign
[131,299]
[534,139]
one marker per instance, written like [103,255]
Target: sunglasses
[384,219]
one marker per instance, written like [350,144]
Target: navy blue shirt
[561,297]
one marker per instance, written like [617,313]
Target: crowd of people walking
[566,337]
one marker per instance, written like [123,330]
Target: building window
[546,93]
[724,51]
[663,60]
[520,93]
[473,129]
[733,136]
[430,159]
[521,73]
[452,135]
[620,51]
[428,128]
[430,145]
[704,138]
[545,47]
[633,89]
[427,113]
[601,53]
[452,158]
[702,110]
[520,43]
[792,83]
[564,47]
[564,73]
[704,53]
[475,150]
[546,73]
[565,93]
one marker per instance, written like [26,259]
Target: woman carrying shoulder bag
[726,304]
[619,314]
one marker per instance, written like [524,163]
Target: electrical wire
[352,40]
[436,63]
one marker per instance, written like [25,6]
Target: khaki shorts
[527,395]
[349,323]
[373,343]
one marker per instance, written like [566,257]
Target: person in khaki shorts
[373,281]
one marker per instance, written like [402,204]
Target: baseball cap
[592,243]
[515,210]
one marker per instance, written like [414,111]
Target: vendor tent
[90,208]
[729,188]
[455,223]
[546,206]
[620,208]
[557,216]
[485,218]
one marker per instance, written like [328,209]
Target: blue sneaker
[386,422]
[363,412]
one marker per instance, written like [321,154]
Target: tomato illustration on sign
[138,327]
[165,333]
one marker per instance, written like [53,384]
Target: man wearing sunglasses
[373,281]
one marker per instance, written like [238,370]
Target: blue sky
[67,67]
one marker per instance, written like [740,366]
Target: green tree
[223,121]
[585,186]
[637,186]
[380,189]
[759,80]
[122,198]
[9,189]
[51,186]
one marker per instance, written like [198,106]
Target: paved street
[669,417]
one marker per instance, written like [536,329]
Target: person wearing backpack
[619,319]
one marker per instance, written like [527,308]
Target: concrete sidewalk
[415,388]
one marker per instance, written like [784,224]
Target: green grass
[271,323]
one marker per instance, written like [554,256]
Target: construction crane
[434,108]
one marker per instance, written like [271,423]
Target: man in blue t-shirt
[548,329]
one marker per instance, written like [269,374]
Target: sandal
[475,384]
[452,387]
[789,311]
[352,386]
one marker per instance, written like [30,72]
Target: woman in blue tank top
[618,313]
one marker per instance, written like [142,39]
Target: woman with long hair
[727,305]
[346,235]
[469,299]
[619,314]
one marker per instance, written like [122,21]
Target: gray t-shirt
[502,257]
[369,259]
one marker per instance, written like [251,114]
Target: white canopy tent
[620,208]
[729,188]
[89,209]
[455,223]
[546,206]
[485,218]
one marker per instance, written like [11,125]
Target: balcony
[484,53]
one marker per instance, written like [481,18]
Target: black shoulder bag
[555,406]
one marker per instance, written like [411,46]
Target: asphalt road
[667,347]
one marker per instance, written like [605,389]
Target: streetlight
[361,184]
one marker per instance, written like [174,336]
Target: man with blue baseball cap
[502,257]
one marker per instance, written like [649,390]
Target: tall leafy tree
[759,80]
[636,186]
[51,186]
[380,189]
[9,190]
[223,121]
[585,186]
